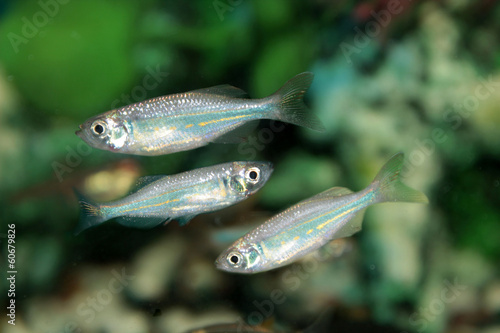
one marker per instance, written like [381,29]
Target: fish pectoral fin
[183,220]
[142,222]
[145,181]
[239,134]
[223,90]
[351,227]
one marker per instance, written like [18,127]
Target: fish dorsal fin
[223,90]
[351,227]
[141,222]
[239,134]
[145,181]
[331,193]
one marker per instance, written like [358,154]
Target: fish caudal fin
[90,214]
[290,103]
[389,186]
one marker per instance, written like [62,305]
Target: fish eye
[252,175]
[235,259]
[98,127]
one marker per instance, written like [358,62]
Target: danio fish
[310,224]
[159,199]
[193,119]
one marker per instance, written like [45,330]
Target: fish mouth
[218,264]
[80,131]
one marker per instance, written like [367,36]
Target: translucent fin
[145,181]
[223,90]
[334,192]
[141,222]
[239,134]
[90,213]
[329,194]
[351,226]
[184,219]
[388,186]
[291,103]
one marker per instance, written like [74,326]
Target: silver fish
[310,224]
[193,119]
[159,199]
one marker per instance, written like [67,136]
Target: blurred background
[421,77]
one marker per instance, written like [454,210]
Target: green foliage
[76,63]
[472,209]
[279,60]
[298,176]
[413,77]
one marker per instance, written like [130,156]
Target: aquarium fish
[193,119]
[159,199]
[310,224]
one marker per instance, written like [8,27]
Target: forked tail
[388,185]
[90,214]
[290,103]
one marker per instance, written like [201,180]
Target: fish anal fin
[239,134]
[352,226]
[142,222]
[223,90]
[183,220]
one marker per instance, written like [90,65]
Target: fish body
[310,224]
[159,199]
[193,119]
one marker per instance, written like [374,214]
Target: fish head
[107,132]
[240,258]
[246,178]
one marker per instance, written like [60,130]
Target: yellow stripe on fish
[337,213]
[137,128]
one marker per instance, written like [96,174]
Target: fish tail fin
[290,103]
[90,213]
[388,185]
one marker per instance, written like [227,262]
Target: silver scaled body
[193,119]
[159,199]
[310,224]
